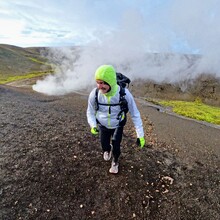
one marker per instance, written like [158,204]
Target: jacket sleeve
[91,112]
[135,114]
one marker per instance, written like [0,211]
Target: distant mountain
[20,61]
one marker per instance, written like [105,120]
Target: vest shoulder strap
[121,99]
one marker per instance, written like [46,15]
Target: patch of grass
[7,79]
[196,110]
[38,61]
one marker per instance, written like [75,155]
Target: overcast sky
[69,22]
[181,25]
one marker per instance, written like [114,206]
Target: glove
[94,131]
[141,142]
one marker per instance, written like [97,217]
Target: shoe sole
[110,155]
[112,172]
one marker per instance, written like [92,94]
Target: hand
[94,131]
[141,142]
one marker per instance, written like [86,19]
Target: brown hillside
[205,87]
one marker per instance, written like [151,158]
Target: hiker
[107,117]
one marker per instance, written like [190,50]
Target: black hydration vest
[122,81]
[122,102]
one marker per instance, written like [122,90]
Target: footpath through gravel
[51,167]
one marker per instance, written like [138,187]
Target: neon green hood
[107,74]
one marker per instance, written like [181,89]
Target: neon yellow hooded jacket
[107,74]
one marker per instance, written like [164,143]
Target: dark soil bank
[51,167]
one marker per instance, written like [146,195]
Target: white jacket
[109,119]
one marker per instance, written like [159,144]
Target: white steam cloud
[145,47]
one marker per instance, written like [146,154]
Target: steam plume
[141,47]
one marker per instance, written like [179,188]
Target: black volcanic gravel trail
[51,167]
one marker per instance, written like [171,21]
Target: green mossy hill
[21,61]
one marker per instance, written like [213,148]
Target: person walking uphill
[107,116]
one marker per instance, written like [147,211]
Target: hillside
[205,87]
[20,61]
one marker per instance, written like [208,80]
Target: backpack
[122,81]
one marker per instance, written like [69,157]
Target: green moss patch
[6,79]
[196,110]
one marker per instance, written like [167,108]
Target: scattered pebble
[170,179]
[165,191]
